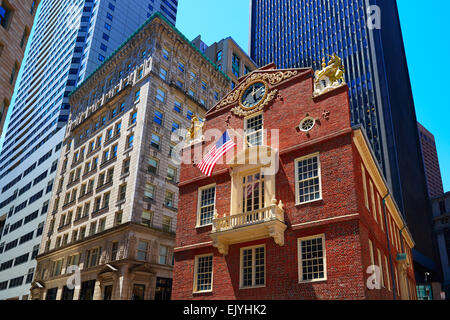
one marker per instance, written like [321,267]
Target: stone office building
[319,227]
[114,204]
[229,57]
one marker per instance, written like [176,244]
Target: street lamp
[427,289]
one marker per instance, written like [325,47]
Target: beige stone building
[114,203]
[229,57]
[16,21]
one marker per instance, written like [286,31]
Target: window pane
[254,130]
[207,202]
[312,259]
[308,179]
[204,273]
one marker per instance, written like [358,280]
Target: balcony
[259,224]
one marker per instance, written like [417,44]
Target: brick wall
[340,215]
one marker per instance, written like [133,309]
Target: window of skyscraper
[236,65]
[219,56]
[5,12]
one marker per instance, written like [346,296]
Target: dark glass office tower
[299,33]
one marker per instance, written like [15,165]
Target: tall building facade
[114,208]
[301,33]
[229,57]
[71,39]
[16,21]
[271,221]
[431,162]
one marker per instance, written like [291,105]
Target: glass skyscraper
[71,39]
[299,33]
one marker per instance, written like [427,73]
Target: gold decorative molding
[239,111]
[271,78]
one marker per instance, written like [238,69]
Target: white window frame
[380,265]
[299,256]
[138,251]
[166,256]
[199,200]
[319,174]
[364,178]
[387,273]
[262,190]
[380,210]
[397,284]
[241,267]
[195,287]
[246,119]
[372,196]
[372,258]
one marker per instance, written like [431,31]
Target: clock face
[253,95]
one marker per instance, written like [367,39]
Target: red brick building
[309,231]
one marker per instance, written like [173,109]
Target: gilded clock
[254,95]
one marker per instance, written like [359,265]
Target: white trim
[364,178]
[303,121]
[241,267]
[194,289]
[372,258]
[372,198]
[323,220]
[380,211]
[246,184]
[193,245]
[319,175]
[254,115]
[299,255]
[387,273]
[199,199]
[380,265]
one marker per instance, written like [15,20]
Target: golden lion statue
[195,129]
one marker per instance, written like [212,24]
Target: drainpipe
[391,267]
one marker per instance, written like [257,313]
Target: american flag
[209,161]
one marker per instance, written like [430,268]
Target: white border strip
[329,219]
[193,245]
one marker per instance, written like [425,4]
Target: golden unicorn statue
[334,71]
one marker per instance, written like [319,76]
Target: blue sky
[426,40]
[427,43]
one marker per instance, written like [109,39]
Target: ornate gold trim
[239,111]
[271,78]
[266,86]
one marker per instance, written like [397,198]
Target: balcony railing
[259,224]
[274,212]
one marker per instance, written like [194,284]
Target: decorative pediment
[269,78]
[108,271]
[142,268]
[257,156]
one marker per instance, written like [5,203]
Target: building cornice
[367,156]
[129,226]
[157,25]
